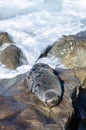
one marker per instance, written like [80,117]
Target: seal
[45,84]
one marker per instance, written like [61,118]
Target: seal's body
[45,84]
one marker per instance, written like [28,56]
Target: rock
[4,38]
[9,107]
[71,50]
[82,125]
[81,73]
[7,127]
[43,83]
[10,86]
[84,83]
[30,118]
[12,57]
[26,112]
[81,35]
[71,83]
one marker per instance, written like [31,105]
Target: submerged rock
[71,50]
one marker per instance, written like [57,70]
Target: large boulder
[25,110]
[71,50]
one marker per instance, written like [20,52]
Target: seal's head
[51,98]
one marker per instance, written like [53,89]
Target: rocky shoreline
[20,109]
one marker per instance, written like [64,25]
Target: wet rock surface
[26,112]
[10,55]
[71,50]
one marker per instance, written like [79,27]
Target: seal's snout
[51,98]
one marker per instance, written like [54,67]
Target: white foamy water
[36,24]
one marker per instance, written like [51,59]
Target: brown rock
[30,118]
[4,38]
[9,107]
[24,111]
[12,57]
[7,127]
[81,73]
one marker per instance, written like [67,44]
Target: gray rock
[7,86]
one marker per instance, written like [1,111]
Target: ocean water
[35,24]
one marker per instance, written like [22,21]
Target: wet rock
[79,120]
[26,112]
[7,127]
[71,50]
[71,81]
[81,73]
[41,117]
[12,57]
[82,125]
[4,38]
[9,107]
[62,113]
[84,83]
[11,86]
[81,35]
[30,118]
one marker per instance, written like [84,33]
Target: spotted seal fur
[45,84]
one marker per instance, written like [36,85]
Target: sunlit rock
[71,50]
